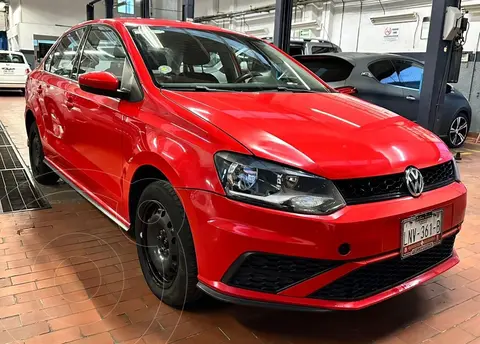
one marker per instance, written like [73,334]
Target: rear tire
[165,246]
[458,131]
[41,172]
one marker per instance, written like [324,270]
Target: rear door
[411,76]
[53,89]
[13,69]
[331,69]
[385,88]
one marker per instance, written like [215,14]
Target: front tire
[41,172]
[458,131]
[165,246]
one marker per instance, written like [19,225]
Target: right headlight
[252,180]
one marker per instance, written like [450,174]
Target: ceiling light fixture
[392,19]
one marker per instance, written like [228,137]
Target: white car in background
[14,70]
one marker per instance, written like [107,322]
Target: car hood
[333,135]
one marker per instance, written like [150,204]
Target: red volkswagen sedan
[241,174]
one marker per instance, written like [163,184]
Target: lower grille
[270,273]
[377,277]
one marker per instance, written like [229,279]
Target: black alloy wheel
[165,246]
[160,244]
[41,172]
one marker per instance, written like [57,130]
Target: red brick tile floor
[68,275]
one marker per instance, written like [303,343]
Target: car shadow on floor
[364,326]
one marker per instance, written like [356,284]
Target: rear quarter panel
[454,104]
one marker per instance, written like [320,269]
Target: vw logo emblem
[414,181]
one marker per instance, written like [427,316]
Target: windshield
[182,58]
[11,58]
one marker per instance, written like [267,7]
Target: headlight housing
[456,170]
[252,180]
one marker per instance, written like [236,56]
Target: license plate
[421,232]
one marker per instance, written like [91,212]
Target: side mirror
[102,83]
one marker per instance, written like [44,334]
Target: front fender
[186,160]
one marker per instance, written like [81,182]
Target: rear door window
[384,71]
[11,58]
[410,73]
[329,69]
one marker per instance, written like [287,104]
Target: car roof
[161,22]
[355,58]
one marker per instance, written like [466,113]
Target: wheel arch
[142,170]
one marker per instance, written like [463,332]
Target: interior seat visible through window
[194,58]
[103,52]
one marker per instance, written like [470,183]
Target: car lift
[443,59]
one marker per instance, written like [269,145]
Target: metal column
[90,12]
[437,63]
[145,8]
[108,8]
[188,9]
[283,24]
[91,9]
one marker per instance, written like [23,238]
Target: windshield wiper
[203,88]
[198,88]
[293,89]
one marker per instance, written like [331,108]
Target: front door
[98,119]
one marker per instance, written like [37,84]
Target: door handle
[69,102]
[412,98]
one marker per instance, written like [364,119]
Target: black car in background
[393,82]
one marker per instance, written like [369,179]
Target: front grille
[377,277]
[270,273]
[373,189]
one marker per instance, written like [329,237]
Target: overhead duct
[394,19]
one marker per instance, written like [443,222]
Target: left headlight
[249,179]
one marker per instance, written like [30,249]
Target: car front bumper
[294,249]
